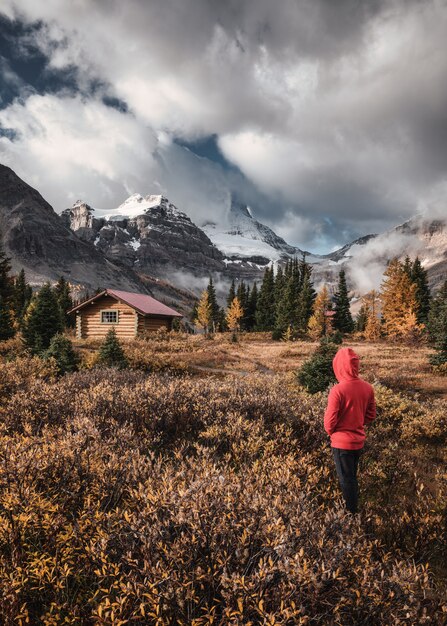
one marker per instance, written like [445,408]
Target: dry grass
[187,497]
[400,367]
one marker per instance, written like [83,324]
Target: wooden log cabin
[131,314]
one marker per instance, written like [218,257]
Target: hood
[346,365]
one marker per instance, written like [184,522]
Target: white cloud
[332,109]
[70,148]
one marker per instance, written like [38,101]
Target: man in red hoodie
[351,406]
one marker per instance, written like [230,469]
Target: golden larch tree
[371,302]
[234,315]
[320,323]
[399,304]
[204,312]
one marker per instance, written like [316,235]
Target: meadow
[197,487]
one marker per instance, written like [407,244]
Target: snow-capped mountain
[148,239]
[242,237]
[151,235]
[148,234]
[137,205]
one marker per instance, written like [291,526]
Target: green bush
[316,374]
[42,321]
[336,337]
[111,353]
[61,350]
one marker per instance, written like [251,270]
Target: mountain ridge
[148,243]
[36,239]
[243,247]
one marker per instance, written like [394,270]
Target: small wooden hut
[130,314]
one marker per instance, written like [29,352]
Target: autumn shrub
[19,373]
[129,498]
[12,348]
[155,357]
[440,369]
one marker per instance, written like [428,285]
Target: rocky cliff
[37,239]
[147,243]
[148,234]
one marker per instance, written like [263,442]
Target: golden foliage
[399,303]
[320,324]
[371,303]
[203,318]
[234,315]
[129,498]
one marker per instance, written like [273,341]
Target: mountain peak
[135,197]
[81,204]
[240,209]
[244,237]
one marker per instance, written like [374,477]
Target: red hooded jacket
[350,405]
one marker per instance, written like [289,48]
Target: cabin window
[109,317]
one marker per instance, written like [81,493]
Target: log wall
[91,325]
[151,323]
[130,322]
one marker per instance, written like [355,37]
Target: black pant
[346,463]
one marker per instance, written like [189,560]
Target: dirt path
[232,371]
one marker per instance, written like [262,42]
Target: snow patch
[134,243]
[137,205]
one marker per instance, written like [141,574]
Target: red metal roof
[145,304]
[139,301]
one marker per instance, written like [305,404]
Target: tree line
[283,300]
[287,305]
[39,316]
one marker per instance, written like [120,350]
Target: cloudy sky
[329,117]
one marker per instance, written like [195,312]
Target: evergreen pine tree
[111,353]
[437,326]
[286,307]
[306,296]
[296,274]
[232,293]
[61,350]
[42,321]
[279,284]
[62,291]
[361,319]
[419,277]
[342,319]
[265,309]
[5,279]
[214,307]
[7,329]
[22,294]
[222,325]
[251,308]
[316,374]
[407,266]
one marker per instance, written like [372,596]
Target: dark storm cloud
[334,111]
